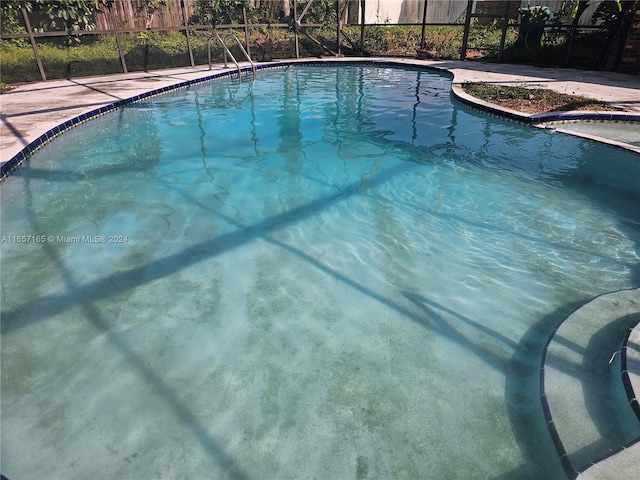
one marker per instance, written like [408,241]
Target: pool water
[328,272]
[624,132]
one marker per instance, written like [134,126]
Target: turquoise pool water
[329,272]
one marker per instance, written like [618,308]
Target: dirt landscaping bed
[532,99]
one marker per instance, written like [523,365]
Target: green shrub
[18,63]
[444,41]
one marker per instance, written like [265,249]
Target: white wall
[410,11]
[441,11]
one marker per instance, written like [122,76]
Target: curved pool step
[631,368]
[583,394]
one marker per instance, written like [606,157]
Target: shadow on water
[187,417]
[107,287]
[436,316]
[604,397]
[522,383]
[522,394]
[521,370]
[522,387]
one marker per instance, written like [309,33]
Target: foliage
[68,15]
[607,12]
[566,12]
[486,39]
[9,19]
[537,14]
[150,7]
[219,12]
[94,57]
[440,41]
[273,12]
[320,11]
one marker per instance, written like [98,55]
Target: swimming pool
[329,272]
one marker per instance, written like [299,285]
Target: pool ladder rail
[223,42]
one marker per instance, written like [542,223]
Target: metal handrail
[228,52]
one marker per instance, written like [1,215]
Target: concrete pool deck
[32,110]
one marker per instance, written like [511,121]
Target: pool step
[585,400]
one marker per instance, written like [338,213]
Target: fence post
[295,26]
[117,35]
[424,25]
[572,36]
[338,28]
[34,45]
[467,27]
[503,36]
[246,30]
[362,14]
[186,29]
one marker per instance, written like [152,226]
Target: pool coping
[541,120]
[545,117]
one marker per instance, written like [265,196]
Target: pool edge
[535,120]
[546,119]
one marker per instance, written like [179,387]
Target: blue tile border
[21,157]
[568,468]
[628,387]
